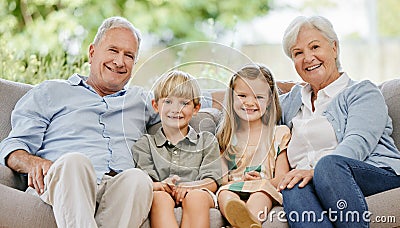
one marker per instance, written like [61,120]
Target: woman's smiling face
[314,57]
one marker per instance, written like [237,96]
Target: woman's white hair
[317,22]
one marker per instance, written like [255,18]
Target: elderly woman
[341,150]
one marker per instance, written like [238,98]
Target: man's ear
[155,105]
[196,109]
[91,52]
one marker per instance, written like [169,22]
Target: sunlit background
[47,39]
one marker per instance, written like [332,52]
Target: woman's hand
[295,176]
[252,175]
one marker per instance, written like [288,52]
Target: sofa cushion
[19,209]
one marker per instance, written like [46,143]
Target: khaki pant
[123,200]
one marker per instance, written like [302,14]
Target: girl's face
[250,99]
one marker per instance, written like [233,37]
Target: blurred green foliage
[389,17]
[45,39]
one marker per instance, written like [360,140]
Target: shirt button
[338,130]
[174,162]
[175,152]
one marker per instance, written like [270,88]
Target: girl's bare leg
[223,197]
[259,204]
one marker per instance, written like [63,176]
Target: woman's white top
[312,135]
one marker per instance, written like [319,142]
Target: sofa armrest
[12,179]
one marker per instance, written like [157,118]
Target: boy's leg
[196,209]
[71,190]
[259,204]
[125,199]
[162,210]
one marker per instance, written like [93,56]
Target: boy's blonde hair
[230,120]
[179,84]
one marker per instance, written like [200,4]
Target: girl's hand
[295,176]
[179,194]
[252,175]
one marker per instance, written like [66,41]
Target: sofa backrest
[391,91]
[10,93]
[206,120]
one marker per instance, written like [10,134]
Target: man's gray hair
[117,22]
[317,22]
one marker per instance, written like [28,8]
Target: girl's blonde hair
[230,120]
[177,83]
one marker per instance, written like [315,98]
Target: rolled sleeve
[8,146]
[29,122]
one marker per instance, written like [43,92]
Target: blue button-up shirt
[58,117]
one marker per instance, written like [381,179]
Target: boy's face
[175,112]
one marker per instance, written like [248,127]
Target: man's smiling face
[111,60]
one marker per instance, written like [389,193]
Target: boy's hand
[169,184]
[179,193]
[252,175]
[160,186]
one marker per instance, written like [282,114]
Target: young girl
[253,147]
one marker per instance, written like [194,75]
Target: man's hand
[36,173]
[295,176]
[36,167]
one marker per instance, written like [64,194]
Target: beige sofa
[18,209]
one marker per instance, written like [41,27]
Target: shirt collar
[331,90]
[161,140]
[337,86]
[79,80]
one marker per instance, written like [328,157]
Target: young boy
[183,164]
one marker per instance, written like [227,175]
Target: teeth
[313,67]
[250,110]
[175,117]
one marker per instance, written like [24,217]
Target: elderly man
[73,138]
